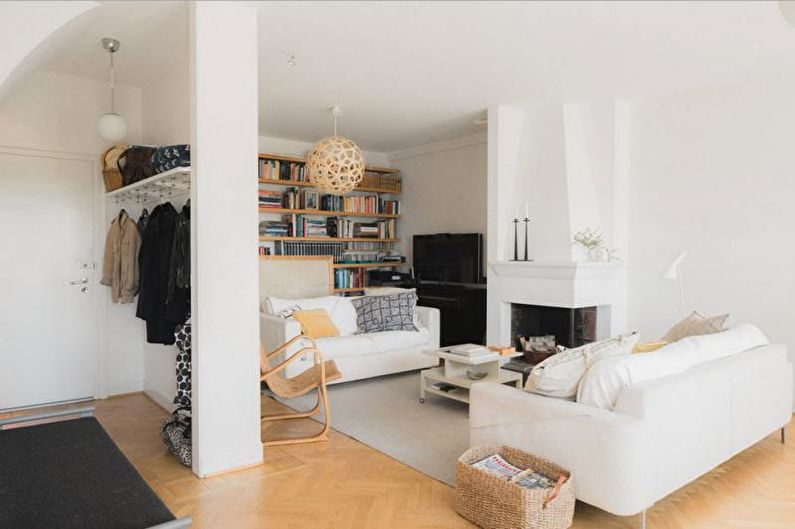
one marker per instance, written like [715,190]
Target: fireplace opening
[571,327]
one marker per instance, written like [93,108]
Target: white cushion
[560,374]
[372,343]
[340,309]
[394,340]
[603,382]
[346,346]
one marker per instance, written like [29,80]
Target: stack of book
[366,230]
[274,228]
[362,256]
[270,199]
[471,351]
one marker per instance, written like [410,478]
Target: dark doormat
[71,475]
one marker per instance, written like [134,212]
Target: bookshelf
[372,205]
[325,213]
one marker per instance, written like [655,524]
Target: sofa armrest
[607,452]
[430,319]
[275,331]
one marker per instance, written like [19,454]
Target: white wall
[55,115]
[165,114]
[271,145]
[443,189]
[712,173]
[224,238]
[39,20]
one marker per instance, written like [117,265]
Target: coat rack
[160,187]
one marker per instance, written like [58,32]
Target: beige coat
[120,266]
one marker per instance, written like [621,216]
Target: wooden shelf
[265,238]
[343,290]
[368,265]
[302,183]
[328,213]
[300,159]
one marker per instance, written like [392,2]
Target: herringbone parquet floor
[344,484]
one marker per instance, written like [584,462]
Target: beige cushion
[694,324]
[560,374]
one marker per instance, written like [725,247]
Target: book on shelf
[349,278]
[281,170]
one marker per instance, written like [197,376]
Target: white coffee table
[454,373]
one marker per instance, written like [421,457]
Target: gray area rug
[385,413]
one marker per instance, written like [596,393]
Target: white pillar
[224,128]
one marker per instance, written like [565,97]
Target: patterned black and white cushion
[386,313]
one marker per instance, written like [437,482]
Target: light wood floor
[344,484]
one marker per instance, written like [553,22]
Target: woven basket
[494,503]
[110,167]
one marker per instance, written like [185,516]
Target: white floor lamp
[674,272]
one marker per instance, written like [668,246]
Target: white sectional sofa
[661,434]
[361,356]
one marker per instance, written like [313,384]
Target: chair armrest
[430,319]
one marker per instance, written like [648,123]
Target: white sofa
[361,356]
[662,434]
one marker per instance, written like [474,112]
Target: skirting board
[161,400]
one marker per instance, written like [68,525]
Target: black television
[448,257]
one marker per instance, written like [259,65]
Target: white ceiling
[410,73]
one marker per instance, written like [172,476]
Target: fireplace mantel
[565,271]
[548,284]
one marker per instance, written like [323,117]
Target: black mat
[70,475]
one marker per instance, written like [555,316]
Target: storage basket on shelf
[111,172]
[495,503]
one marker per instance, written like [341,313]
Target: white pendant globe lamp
[111,125]
[336,164]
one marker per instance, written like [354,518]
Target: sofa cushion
[371,343]
[386,313]
[340,310]
[602,384]
[694,324]
[560,374]
[316,323]
[395,340]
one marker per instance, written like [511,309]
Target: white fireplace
[563,285]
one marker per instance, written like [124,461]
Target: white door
[47,341]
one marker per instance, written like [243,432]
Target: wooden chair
[313,378]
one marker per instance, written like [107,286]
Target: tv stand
[462,308]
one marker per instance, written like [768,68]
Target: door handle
[82,281]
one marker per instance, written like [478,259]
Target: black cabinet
[462,309]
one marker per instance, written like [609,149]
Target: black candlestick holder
[515,239]
[526,221]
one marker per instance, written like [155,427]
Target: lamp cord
[112,86]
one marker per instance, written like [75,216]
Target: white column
[226,426]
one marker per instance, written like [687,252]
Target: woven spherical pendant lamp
[336,164]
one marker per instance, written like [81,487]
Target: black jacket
[154,260]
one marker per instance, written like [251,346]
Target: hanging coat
[154,263]
[120,269]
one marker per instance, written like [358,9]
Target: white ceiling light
[112,126]
[336,164]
